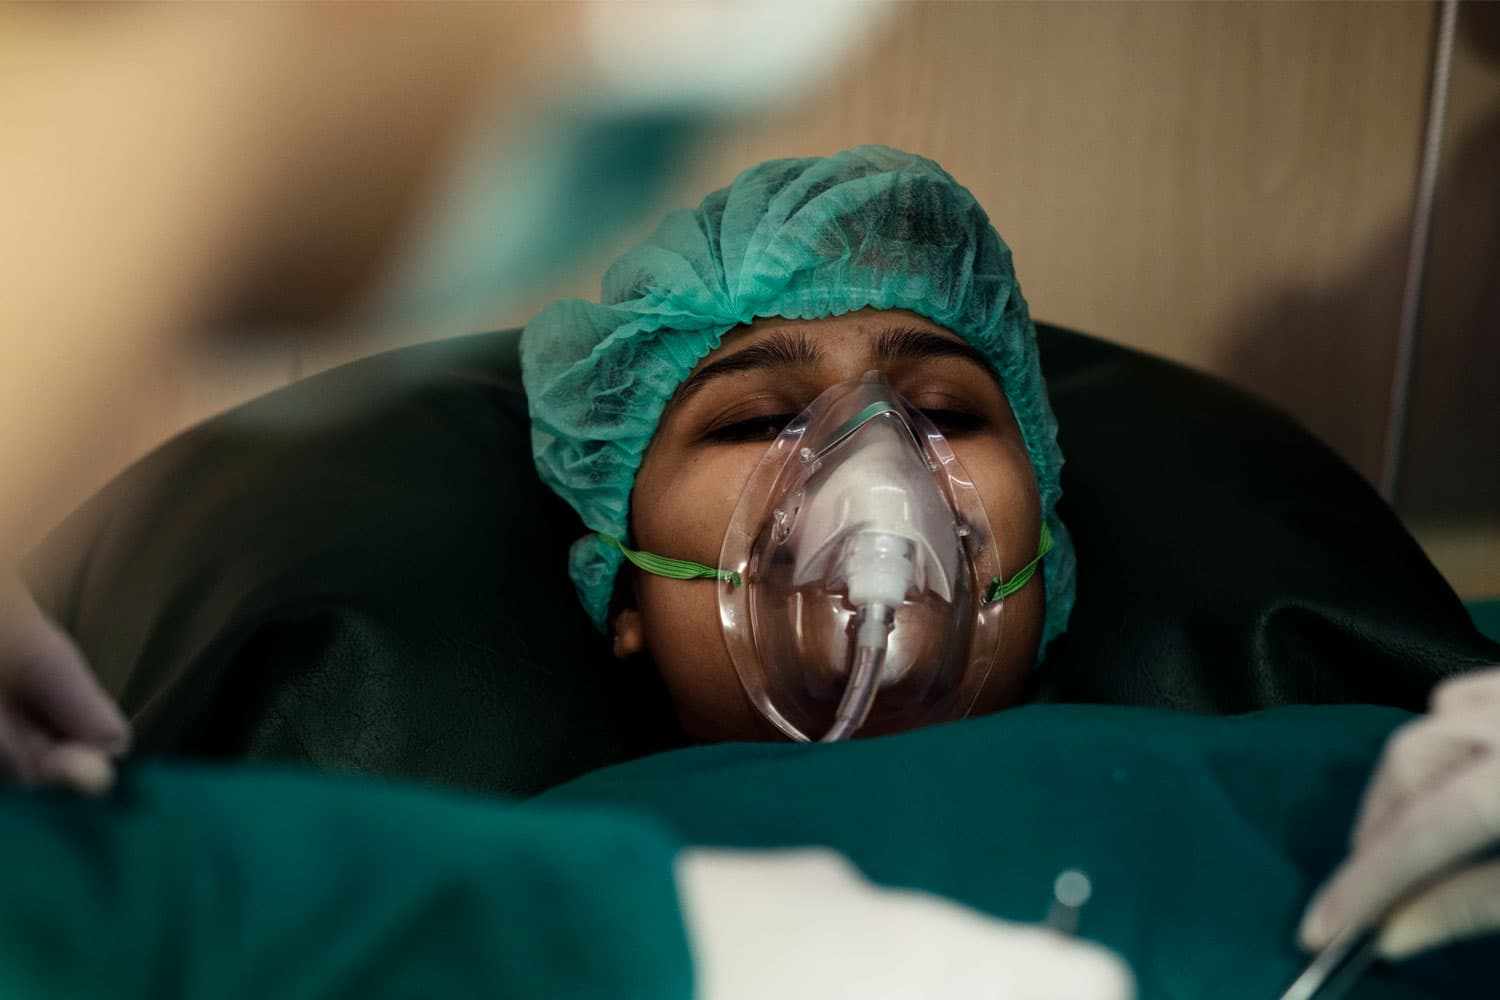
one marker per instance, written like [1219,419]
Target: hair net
[871,227]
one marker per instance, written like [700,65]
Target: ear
[630,634]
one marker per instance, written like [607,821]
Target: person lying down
[808,430]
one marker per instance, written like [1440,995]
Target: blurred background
[1229,185]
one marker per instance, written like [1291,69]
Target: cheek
[1006,483]
[1002,474]
[1020,633]
[681,506]
[683,637]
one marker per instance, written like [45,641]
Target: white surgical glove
[1434,801]
[57,726]
[805,925]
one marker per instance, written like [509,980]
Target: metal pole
[1416,261]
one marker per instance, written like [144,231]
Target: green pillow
[1204,836]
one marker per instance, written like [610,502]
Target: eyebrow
[782,349]
[916,344]
[792,348]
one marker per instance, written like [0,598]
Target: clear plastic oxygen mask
[863,550]
[860,583]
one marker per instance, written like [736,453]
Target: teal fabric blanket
[1204,836]
[224,882]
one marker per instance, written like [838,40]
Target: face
[719,425]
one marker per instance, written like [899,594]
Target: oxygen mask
[861,587]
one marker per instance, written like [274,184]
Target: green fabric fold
[246,882]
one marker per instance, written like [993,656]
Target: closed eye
[765,428]
[953,423]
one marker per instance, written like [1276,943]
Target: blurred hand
[57,726]
[805,925]
[1434,801]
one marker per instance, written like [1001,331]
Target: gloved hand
[806,924]
[1434,801]
[57,726]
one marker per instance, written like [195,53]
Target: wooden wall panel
[1225,184]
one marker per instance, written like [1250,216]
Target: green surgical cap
[871,227]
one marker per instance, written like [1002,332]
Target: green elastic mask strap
[682,569]
[672,569]
[1000,590]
